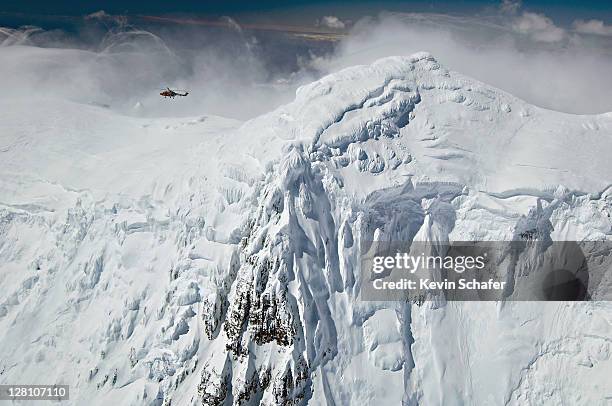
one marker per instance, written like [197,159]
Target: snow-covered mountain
[208,261]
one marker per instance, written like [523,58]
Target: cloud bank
[539,27]
[126,67]
[526,54]
[242,73]
[596,27]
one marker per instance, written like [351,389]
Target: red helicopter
[172,93]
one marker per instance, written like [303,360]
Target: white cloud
[539,27]
[10,36]
[108,19]
[596,27]
[332,22]
[100,14]
[128,67]
[565,76]
[510,6]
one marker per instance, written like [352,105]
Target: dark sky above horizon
[562,11]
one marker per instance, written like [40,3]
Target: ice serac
[236,280]
[406,150]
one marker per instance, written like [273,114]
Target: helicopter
[167,92]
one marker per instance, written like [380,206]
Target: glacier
[208,261]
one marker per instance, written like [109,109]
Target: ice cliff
[221,264]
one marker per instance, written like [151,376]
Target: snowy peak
[411,109]
[392,151]
[235,277]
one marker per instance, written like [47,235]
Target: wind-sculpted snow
[206,262]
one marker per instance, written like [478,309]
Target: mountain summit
[206,261]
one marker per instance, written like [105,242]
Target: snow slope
[206,261]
